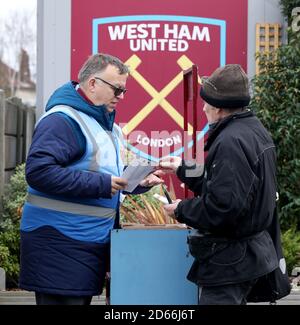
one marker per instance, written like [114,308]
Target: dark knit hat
[227,87]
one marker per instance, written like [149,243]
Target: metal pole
[195,111]
[190,93]
[186,97]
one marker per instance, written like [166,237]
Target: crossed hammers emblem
[158,98]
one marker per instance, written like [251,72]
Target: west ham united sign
[158,40]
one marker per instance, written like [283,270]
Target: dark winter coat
[234,204]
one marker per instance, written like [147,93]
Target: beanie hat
[227,87]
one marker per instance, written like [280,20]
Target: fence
[16,128]
[268,39]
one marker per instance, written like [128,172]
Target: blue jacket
[59,249]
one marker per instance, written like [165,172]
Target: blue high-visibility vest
[82,219]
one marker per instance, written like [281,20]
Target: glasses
[117,90]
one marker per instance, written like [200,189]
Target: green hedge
[15,195]
[287,6]
[276,101]
[291,248]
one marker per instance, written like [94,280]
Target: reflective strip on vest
[70,207]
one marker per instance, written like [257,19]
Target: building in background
[26,89]
[18,83]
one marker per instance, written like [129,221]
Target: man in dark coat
[235,194]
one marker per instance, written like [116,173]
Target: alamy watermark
[150,149]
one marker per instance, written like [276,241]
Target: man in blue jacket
[73,170]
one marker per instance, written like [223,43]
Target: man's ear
[219,111]
[91,85]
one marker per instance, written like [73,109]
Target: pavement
[27,298]
[292,299]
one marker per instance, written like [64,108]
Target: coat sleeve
[229,192]
[56,143]
[192,176]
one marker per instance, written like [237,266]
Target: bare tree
[18,33]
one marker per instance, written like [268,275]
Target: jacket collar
[221,125]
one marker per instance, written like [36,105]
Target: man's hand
[170,164]
[152,179]
[117,184]
[170,208]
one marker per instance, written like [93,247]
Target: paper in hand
[161,198]
[136,171]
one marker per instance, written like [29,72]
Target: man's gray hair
[97,63]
